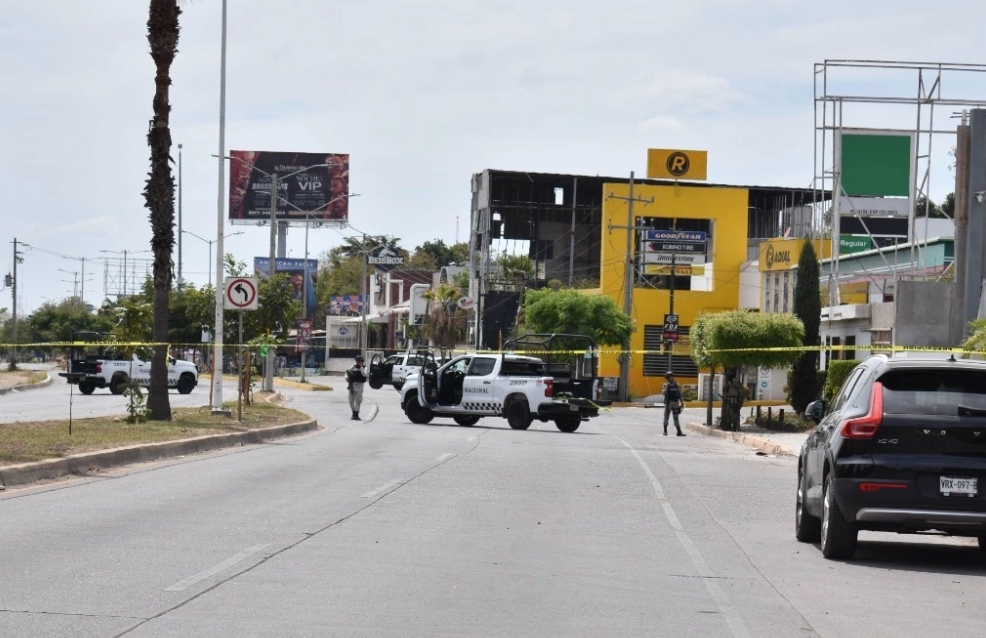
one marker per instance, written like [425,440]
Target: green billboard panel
[854,244]
[876,164]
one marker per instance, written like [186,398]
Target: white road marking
[445,457]
[382,488]
[732,617]
[229,562]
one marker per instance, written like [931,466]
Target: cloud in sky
[422,94]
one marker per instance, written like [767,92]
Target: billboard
[345,305]
[317,194]
[295,268]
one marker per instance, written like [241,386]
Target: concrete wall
[921,314]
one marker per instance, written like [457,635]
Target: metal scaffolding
[867,95]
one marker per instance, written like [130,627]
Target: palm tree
[445,323]
[159,194]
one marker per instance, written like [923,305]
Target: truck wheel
[466,420]
[186,383]
[86,387]
[568,422]
[117,383]
[374,383]
[519,415]
[417,413]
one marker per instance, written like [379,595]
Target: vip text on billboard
[317,194]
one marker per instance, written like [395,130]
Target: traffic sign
[241,293]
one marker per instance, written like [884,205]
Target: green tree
[61,321]
[739,338]
[422,261]
[460,253]
[159,194]
[803,380]
[572,312]
[438,251]
[948,206]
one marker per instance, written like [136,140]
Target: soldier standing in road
[355,378]
[672,402]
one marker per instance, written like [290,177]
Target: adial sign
[854,244]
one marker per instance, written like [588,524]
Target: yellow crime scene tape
[535,352]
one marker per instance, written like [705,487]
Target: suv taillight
[865,427]
[549,388]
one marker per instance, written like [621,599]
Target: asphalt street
[385,528]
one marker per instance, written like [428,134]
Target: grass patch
[35,441]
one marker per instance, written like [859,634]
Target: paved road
[384,528]
[56,400]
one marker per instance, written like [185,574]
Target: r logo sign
[667,163]
[677,164]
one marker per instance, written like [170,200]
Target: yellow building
[707,285]
[574,228]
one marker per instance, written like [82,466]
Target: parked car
[901,448]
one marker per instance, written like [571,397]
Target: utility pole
[628,282]
[13,288]
[363,300]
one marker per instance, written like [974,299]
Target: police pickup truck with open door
[469,387]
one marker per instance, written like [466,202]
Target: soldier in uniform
[355,378]
[732,401]
[672,402]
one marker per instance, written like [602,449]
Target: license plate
[956,486]
[573,408]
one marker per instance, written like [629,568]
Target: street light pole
[181,282]
[217,379]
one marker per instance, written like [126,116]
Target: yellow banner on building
[783,254]
[679,271]
[667,163]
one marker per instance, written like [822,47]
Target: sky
[422,94]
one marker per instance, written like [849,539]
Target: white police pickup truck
[114,373]
[509,386]
[395,368]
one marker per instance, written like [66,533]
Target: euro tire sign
[670,327]
[241,293]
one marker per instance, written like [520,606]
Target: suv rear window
[933,392]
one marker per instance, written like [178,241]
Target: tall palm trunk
[159,195]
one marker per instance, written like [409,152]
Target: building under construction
[557,221]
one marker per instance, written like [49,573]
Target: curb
[312,387]
[745,439]
[89,462]
[29,386]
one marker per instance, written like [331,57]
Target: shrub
[838,371]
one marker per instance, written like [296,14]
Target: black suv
[902,448]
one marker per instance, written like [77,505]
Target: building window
[850,343]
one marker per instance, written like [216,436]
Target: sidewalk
[764,440]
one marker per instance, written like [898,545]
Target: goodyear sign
[666,163]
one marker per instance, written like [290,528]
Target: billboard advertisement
[317,194]
[295,268]
[345,305]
